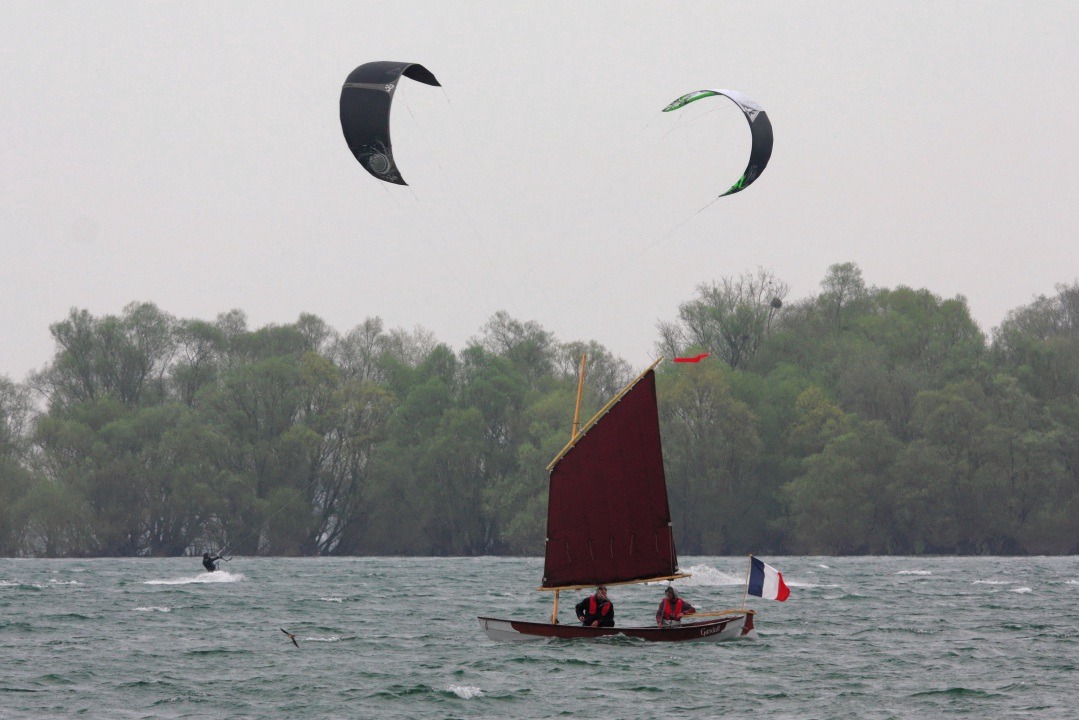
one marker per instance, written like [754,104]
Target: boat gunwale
[683,633]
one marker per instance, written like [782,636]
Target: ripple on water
[69,616]
[216,652]
[402,691]
[957,692]
[54,679]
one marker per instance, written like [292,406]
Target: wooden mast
[577,407]
[749,569]
[572,437]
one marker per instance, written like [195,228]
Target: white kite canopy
[759,126]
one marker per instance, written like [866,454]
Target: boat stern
[749,632]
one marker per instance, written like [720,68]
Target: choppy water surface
[396,637]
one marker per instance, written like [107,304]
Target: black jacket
[604,611]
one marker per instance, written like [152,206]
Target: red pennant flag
[697,359]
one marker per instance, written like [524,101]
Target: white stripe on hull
[503,631]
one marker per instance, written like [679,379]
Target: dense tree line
[859,420]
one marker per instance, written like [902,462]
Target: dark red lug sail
[608,520]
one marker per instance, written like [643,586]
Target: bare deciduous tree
[729,318]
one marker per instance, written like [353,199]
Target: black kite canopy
[365,113]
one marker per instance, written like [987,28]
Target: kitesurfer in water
[596,610]
[671,609]
[209,561]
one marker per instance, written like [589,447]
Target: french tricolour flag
[767,582]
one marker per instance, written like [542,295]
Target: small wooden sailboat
[608,522]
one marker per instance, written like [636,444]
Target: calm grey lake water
[398,638]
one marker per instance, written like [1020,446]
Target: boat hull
[727,628]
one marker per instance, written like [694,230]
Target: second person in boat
[596,610]
[671,609]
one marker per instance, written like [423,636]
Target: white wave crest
[36,586]
[221,576]
[708,576]
[466,692]
[331,599]
[914,572]
[154,608]
[1021,590]
[811,586]
[992,582]
[331,638]
[64,582]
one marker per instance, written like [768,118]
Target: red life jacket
[606,606]
[667,614]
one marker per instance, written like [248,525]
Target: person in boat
[671,609]
[209,562]
[596,610]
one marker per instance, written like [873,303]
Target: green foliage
[16,483]
[859,420]
[712,453]
[839,502]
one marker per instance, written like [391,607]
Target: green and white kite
[759,126]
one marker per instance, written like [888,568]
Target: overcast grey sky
[190,154]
